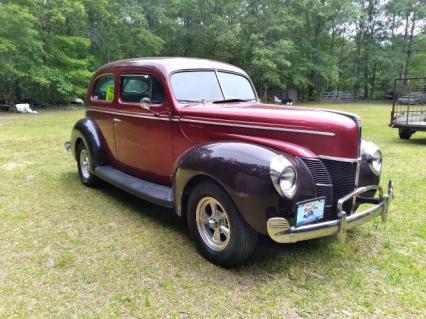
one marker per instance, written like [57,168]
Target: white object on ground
[77,100]
[24,108]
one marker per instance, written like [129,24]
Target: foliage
[48,49]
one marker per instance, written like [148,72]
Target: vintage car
[192,135]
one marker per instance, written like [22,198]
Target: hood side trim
[258,127]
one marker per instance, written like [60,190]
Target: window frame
[139,74]
[95,81]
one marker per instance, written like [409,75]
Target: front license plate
[310,211]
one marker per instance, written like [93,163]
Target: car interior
[136,87]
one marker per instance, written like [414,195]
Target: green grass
[71,251]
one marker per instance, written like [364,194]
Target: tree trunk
[393,26]
[357,60]
[366,80]
[17,91]
[410,45]
[329,80]
[401,69]
[359,44]
[340,71]
[373,81]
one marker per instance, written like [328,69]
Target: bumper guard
[280,231]
[67,146]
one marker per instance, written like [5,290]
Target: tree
[49,48]
[21,51]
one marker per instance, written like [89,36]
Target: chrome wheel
[84,164]
[213,223]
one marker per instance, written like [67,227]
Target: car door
[143,137]
[101,102]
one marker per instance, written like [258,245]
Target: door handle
[116,120]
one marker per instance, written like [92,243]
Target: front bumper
[280,231]
[67,146]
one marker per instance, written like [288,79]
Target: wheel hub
[213,223]
[84,164]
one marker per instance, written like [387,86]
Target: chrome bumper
[280,231]
[67,146]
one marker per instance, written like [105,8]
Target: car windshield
[198,86]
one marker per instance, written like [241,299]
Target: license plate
[310,211]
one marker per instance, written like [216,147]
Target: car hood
[319,132]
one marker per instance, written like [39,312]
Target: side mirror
[145,103]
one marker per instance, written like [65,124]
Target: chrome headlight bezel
[282,170]
[373,156]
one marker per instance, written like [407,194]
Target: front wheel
[220,233]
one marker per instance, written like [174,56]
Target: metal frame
[411,112]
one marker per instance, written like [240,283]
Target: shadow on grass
[269,256]
[418,141]
[159,214]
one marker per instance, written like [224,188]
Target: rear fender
[87,131]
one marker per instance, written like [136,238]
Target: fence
[337,96]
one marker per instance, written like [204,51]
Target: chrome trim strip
[175,119]
[340,159]
[323,184]
[279,231]
[358,169]
[131,114]
[260,127]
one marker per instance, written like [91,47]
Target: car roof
[168,65]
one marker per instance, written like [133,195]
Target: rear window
[104,89]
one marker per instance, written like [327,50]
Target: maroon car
[192,135]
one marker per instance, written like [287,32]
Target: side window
[104,89]
[136,87]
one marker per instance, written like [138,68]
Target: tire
[83,166]
[405,133]
[223,238]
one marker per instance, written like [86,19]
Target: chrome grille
[324,184]
[334,179]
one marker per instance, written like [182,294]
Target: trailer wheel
[405,133]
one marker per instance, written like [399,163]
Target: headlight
[283,175]
[373,156]
[376,162]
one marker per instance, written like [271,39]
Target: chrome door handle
[116,120]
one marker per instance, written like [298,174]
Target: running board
[151,192]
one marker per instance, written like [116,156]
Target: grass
[71,251]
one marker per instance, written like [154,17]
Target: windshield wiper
[232,100]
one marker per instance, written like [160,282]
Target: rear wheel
[405,133]
[83,165]
[220,233]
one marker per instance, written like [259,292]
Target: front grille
[324,184]
[333,179]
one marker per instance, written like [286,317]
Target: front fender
[242,170]
[87,131]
